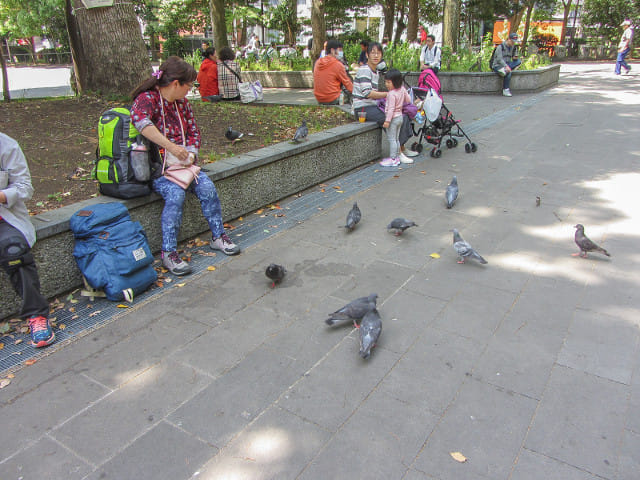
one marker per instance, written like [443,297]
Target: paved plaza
[528,366]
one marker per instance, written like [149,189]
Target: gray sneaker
[506,93]
[173,263]
[225,245]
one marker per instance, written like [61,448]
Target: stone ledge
[244,183]
[452,82]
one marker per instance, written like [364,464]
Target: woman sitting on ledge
[365,94]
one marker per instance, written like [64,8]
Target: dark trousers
[374,114]
[17,260]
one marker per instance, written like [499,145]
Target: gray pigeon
[353,217]
[354,310]
[301,132]
[400,225]
[585,244]
[452,192]
[370,329]
[233,135]
[275,273]
[464,249]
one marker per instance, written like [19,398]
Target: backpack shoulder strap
[232,71]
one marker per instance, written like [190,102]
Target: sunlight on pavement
[622,193]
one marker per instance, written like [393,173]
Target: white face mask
[340,54]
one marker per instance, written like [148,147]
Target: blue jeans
[174,196]
[506,80]
[620,62]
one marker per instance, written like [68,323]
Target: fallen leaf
[396,176]
[122,305]
[457,456]
[424,172]
[337,187]
[93,314]
[62,326]
[71,310]
[1,346]
[5,327]
[4,382]
[435,255]
[339,191]
[280,215]
[258,212]
[211,268]
[322,190]
[74,317]
[159,284]
[31,361]
[265,230]
[240,219]
[180,284]
[18,341]
[11,375]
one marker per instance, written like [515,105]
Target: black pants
[17,260]
[374,114]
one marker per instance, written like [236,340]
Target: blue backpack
[112,251]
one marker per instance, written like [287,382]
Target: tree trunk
[318,28]
[290,35]
[566,5]
[79,67]
[412,26]
[527,22]
[5,75]
[218,24]
[451,24]
[514,21]
[113,57]
[389,13]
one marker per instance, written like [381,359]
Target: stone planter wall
[244,183]
[452,82]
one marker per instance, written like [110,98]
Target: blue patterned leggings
[174,196]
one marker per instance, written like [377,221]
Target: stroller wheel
[435,152]
[417,148]
[467,147]
[455,142]
[449,143]
[474,149]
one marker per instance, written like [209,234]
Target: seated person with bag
[17,236]
[504,60]
[228,75]
[161,113]
[330,75]
[430,56]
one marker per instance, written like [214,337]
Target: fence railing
[48,58]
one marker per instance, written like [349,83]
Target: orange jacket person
[208,75]
[330,74]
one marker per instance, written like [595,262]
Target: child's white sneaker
[390,162]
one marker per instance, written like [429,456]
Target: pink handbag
[181,175]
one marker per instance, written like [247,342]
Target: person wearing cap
[505,60]
[624,47]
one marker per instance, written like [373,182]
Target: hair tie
[157,74]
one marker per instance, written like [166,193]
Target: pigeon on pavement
[464,249]
[452,192]
[585,244]
[353,217]
[353,310]
[276,273]
[370,329]
[301,132]
[233,135]
[400,225]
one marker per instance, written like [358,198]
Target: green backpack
[122,156]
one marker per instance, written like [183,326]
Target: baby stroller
[441,124]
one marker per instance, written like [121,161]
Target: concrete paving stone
[330,393]
[45,459]
[164,452]
[489,307]
[632,418]
[487,425]
[120,362]
[40,410]
[410,249]
[433,370]
[100,431]
[405,316]
[629,460]
[222,347]
[520,360]
[413,474]
[601,345]
[534,466]
[600,297]
[580,421]
[380,277]
[278,444]
[389,442]
[221,411]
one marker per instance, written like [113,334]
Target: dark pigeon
[452,192]
[370,329]
[464,249]
[354,310]
[353,217]
[400,225]
[275,273]
[232,135]
[301,132]
[585,244]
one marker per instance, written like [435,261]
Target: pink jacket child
[396,98]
